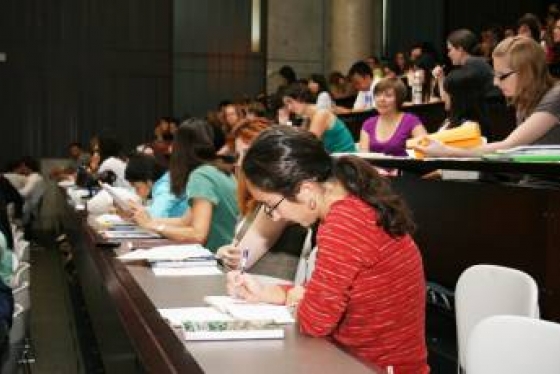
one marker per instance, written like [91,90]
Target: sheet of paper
[248,311]
[186,271]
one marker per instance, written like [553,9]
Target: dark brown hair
[281,158]
[193,146]
[395,84]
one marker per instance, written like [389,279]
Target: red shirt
[367,291]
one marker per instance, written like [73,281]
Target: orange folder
[465,136]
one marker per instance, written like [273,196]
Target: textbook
[207,323]
[229,318]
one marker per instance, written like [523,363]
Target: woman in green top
[211,191]
[322,122]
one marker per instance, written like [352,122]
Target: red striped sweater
[367,291]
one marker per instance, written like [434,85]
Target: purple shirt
[396,144]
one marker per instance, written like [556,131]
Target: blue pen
[244,258]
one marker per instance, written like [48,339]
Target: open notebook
[230,319]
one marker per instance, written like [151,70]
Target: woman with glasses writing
[367,292]
[274,245]
[521,72]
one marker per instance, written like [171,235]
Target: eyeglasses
[503,76]
[269,210]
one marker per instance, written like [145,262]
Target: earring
[312,204]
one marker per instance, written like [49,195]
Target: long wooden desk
[462,223]
[122,302]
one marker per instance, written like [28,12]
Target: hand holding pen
[244,259]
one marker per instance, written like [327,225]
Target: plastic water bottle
[417,88]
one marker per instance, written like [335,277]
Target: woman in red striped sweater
[367,292]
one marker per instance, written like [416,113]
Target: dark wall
[410,22]
[477,14]
[76,66]
[212,54]
[431,20]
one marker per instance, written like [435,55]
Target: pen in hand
[244,259]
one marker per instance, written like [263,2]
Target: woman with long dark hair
[521,72]
[367,292]
[210,190]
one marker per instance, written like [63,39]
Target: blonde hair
[527,58]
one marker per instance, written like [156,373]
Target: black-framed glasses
[269,210]
[503,76]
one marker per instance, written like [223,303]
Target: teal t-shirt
[6,261]
[164,202]
[338,138]
[209,183]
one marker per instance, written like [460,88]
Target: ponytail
[361,179]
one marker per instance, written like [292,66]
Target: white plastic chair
[487,290]
[514,345]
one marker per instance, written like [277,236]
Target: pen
[244,258]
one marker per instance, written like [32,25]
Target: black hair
[143,168]
[532,22]
[193,146]
[31,163]
[281,158]
[321,81]
[288,73]
[360,68]
[75,144]
[299,92]
[466,91]
[464,39]
[109,145]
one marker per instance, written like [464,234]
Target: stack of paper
[168,253]
[177,260]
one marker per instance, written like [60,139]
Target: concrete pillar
[353,34]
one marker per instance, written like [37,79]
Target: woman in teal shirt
[321,122]
[150,179]
[210,193]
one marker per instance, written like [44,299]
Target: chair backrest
[486,290]
[306,263]
[514,345]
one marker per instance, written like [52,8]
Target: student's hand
[127,215]
[294,296]
[438,72]
[140,215]
[244,286]
[230,255]
[432,148]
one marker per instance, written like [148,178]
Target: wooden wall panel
[77,66]
[212,57]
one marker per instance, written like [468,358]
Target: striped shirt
[367,292]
